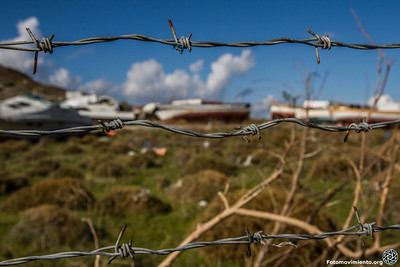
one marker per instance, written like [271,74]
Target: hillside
[13,83]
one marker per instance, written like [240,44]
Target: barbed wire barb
[43,45]
[324,41]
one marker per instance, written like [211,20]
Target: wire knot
[325,41]
[250,128]
[184,43]
[255,238]
[45,45]
[368,228]
[113,125]
[125,250]
[362,126]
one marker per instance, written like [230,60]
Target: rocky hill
[13,83]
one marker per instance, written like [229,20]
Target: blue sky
[140,72]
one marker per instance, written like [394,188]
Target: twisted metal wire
[127,250]
[324,42]
[244,131]
[47,44]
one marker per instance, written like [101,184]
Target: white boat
[345,115]
[198,110]
[97,107]
[26,112]
[315,110]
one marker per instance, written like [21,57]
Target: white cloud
[22,61]
[146,81]
[100,87]
[223,70]
[260,109]
[62,78]
[197,66]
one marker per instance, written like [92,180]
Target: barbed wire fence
[47,45]
[251,129]
[127,250]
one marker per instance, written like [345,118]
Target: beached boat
[345,115]
[97,107]
[26,112]
[198,110]
[314,110]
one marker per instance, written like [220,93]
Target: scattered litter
[160,151]
[206,144]
[248,160]
[131,153]
[179,183]
[202,203]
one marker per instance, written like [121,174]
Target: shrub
[203,185]
[146,160]
[66,192]
[11,146]
[126,200]
[118,146]
[36,152]
[198,163]
[73,149]
[64,172]
[10,183]
[46,227]
[43,167]
[108,168]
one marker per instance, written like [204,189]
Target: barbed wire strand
[47,44]
[244,131]
[126,250]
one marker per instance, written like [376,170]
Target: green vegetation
[47,186]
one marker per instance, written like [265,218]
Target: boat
[316,111]
[28,112]
[345,115]
[197,110]
[97,107]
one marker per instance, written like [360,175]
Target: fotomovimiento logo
[390,256]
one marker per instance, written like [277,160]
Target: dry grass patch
[46,227]
[10,183]
[198,163]
[129,200]
[66,192]
[203,185]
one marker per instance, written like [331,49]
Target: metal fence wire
[127,250]
[47,45]
[251,129]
